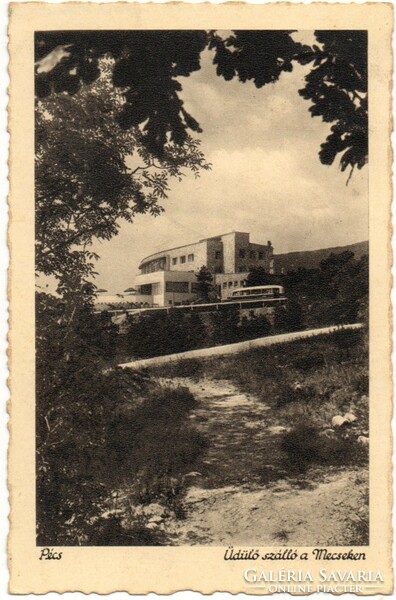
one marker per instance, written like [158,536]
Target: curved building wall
[229,257]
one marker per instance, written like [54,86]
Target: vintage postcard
[200,336]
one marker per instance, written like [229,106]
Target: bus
[257,292]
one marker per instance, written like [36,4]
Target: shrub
[153,438]
[309,360]
[157,334]
[289,317]
[288,394]
[223,326]
[305,444]
[254,327]
[301,445]
[97,430]
[110,532]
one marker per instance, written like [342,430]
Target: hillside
[311,259]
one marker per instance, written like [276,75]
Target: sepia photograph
[202,291]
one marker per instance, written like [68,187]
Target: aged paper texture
[193,406]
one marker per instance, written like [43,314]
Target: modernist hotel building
[168,278]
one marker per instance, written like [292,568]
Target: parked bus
[257,292]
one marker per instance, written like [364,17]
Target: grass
[306,383]
[145,449]
[153,445]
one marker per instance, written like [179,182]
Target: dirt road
[243,491]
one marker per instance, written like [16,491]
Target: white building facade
[168,278]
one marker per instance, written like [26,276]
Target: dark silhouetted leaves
[84,184]
[146,70]
[148,65]
[337,88]
[260,56]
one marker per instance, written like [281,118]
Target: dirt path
[242,492]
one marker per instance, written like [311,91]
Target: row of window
[177,287]
[190,258]
[160,264]
[230,284]
[252,254]
[154,266]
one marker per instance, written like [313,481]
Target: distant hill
[311,258]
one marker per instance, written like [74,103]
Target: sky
[266,179]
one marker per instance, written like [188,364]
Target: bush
[289,317]
[301,445]
[157,334]
[288,394]
[309,360]
[97,428]
[142,443]
[110,532]
[223,326]
[345,339]
[153,438]
[305,444]
[255,327]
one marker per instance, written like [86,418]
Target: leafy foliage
[98,429]
[91,174]
[159,334]
[73,398]
[339,290]
[204,283]
[304,445]
[261,56]
[289,317]
[85,185]
[334,294]
[148,66]
[259,276]
[337,87]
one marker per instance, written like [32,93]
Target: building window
[218,254]
[182,260]
[191,258]
[224,284]
[230,284]
[177,287]
[174,261]
[261,255]
[241,253]
[252,254]
[235,284]
[146,289]
[154,265]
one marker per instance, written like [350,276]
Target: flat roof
[163,252]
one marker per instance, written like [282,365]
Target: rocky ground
[243,491]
